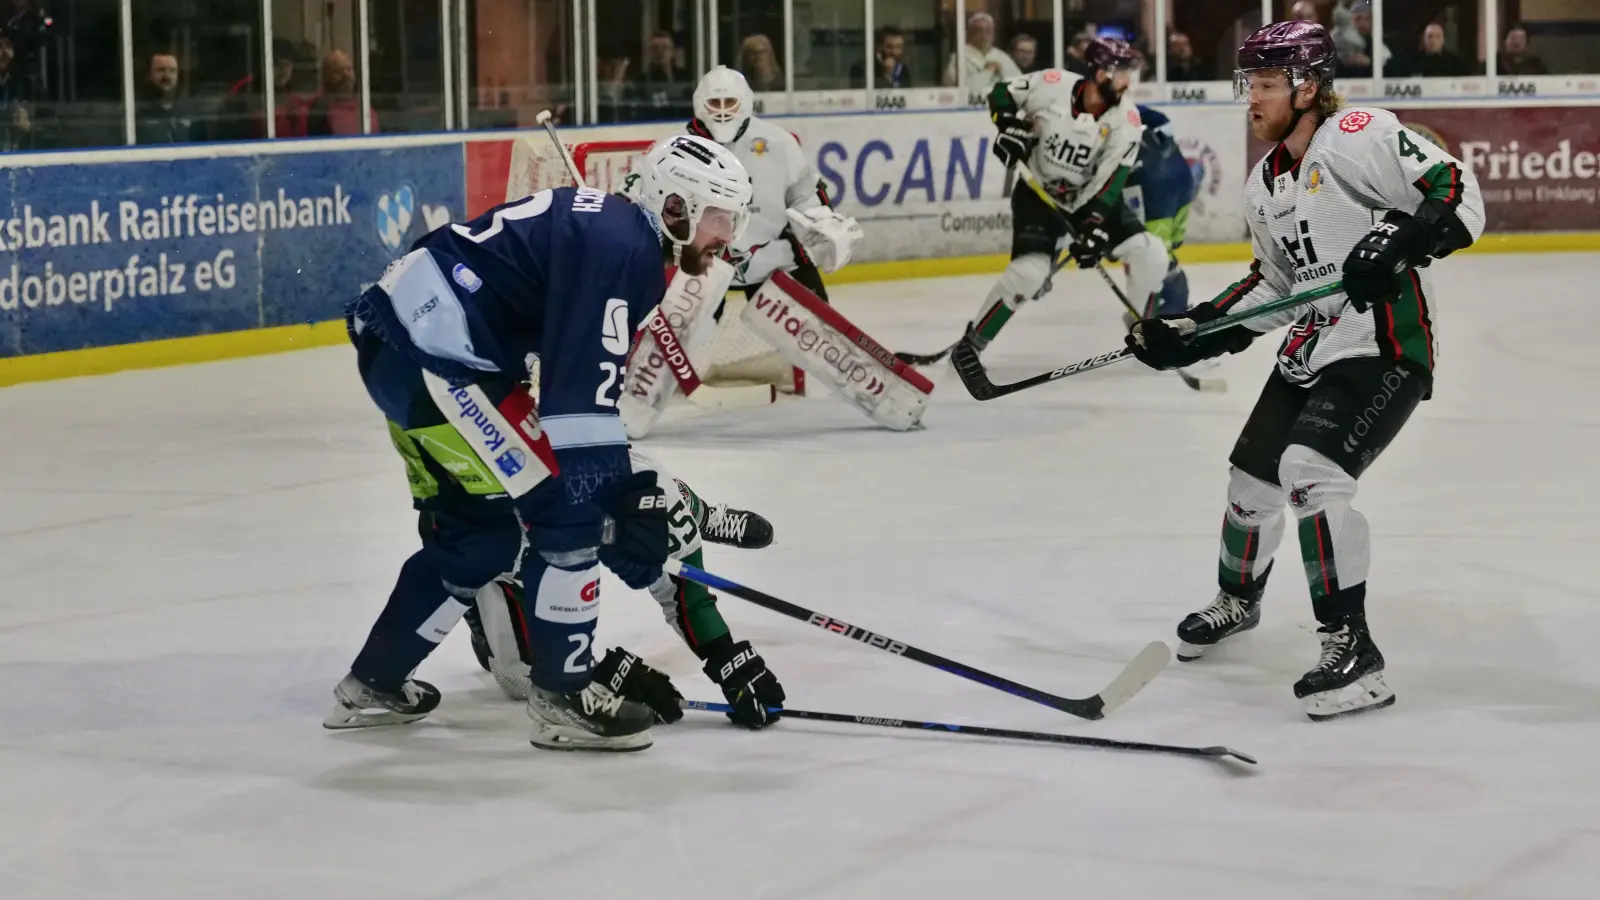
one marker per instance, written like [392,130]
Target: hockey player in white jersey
[1351,195]
[792,226]
[1080,136]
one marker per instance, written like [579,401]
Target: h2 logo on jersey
[1067,153]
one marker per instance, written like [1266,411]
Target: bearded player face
[1273,101]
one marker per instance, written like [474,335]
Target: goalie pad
[687,311]
[816,337]
[827,237]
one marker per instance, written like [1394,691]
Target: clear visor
[723,110]
[1256,85]
[720,225]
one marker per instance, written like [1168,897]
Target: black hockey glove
[629,678]
[1091,227]
[752,690]
[1372,271]
[1015,140]
[1162,343]
[635,545]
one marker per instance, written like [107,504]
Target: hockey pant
[471,534]
[1038,236]
[1304,447]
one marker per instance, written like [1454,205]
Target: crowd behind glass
[95,73]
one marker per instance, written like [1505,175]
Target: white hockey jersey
[784,179]
[1079,157]
[1306,216]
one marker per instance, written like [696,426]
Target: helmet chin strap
[1298,114]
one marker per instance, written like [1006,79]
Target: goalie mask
[722,105]
[693,188]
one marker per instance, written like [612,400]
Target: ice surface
[190,558]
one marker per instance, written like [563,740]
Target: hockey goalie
[777,263]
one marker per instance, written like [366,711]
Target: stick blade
[970,370]
[1141,671]
[1229,752]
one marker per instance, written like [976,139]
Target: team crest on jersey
[1052,76]
[1133,118]
[1314,179]
[759,146]
[1354,121]
[1295,355]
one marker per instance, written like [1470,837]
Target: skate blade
[558,738]
[1364,695]
[1187,652]
[344,718]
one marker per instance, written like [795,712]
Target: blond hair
[1329,101]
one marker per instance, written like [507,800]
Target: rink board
[123,259]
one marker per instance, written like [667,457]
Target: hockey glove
[629,678]
[1092,234]
[1374,270]
[1168,342]
[1015,141]
[635,544]
[751,688]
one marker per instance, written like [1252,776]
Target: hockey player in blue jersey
[443,342]
[1162,185]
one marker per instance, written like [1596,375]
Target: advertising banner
[1538,166]
[97,254]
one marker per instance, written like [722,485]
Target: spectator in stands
[1025,53]
[1355,42]
[28,27]
[337,110]
[1514,56]
[1433,60]
[1182,64]
[1080,39]
[759,64]
[889,62]
[981,61]
[244,110]
[16,99]
[1303,11]
[162,117]
[662,89]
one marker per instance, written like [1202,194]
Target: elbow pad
[1444,232]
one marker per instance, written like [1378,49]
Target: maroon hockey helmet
[1303,50]
[1109,53]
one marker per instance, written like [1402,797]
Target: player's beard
[1270,124]
[695,260]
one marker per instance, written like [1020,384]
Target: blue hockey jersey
[1164,175]
[568,274]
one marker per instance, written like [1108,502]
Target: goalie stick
[1139,672]
[1218,753]
[976,379]
[1196,383]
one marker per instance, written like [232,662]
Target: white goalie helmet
[698,180]
[723,103]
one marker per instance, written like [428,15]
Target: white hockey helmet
[698,180]
[723,103]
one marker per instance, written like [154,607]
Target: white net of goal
[734,355]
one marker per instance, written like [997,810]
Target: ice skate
[1349,677]
[359,706]
[1227,615]
[595,718]
[736,528]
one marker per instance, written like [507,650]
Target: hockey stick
[543,118]
[1218,753]
[1214,385]
[976,379]
[1138,673]
[913,359]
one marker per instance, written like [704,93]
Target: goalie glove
[826,237]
